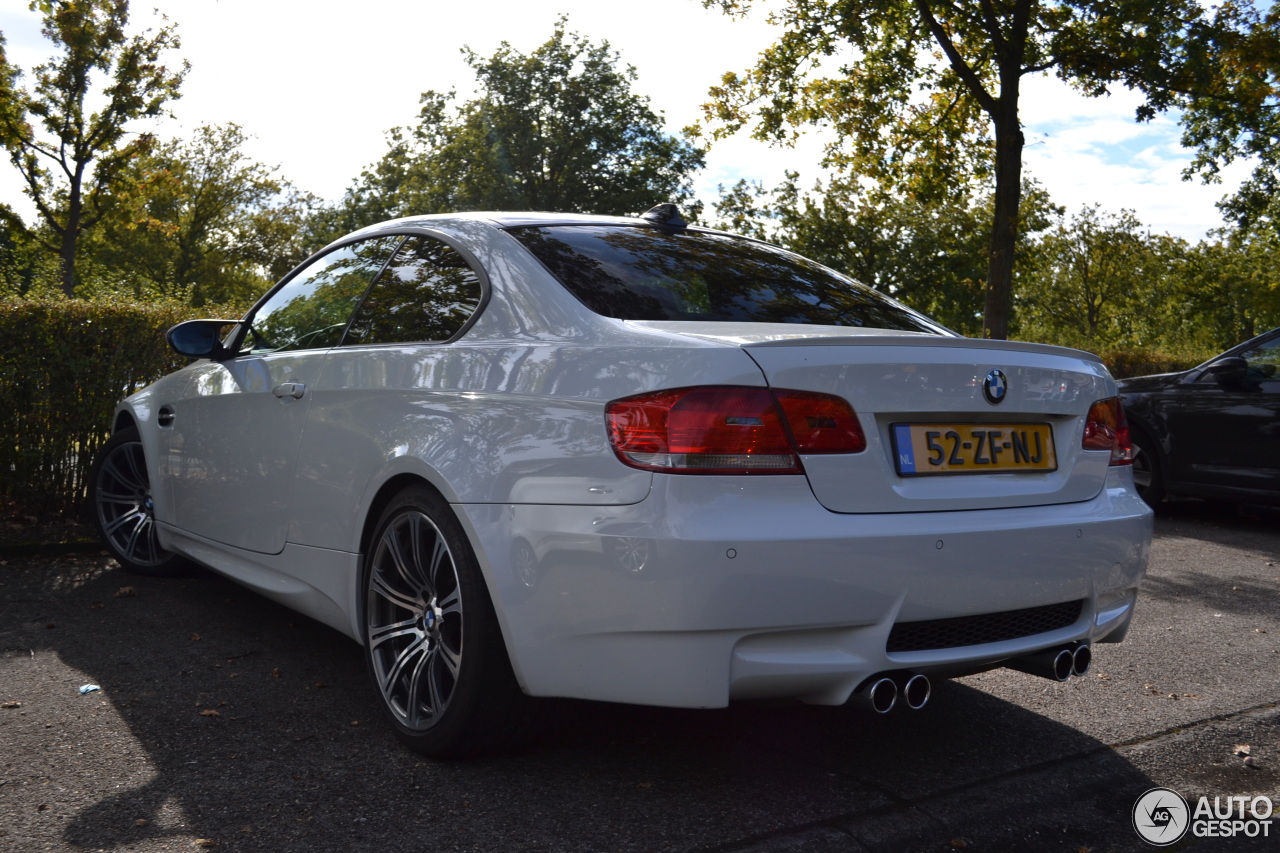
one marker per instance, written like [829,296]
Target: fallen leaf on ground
[209,712]
[126,592]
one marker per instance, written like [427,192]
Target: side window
[312,309]
[427,293]
[1263,360]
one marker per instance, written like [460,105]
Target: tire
[1148,470]
[123,511]
[432,643]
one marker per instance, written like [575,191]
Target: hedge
[64,364]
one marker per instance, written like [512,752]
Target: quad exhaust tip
[881,692]
[916,691]
[1058,664]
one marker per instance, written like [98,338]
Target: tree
[201,217]
[69,156]
[926,95]
[1229,289]
[1237,117]
[1099,280]
[558,129]
[930,255]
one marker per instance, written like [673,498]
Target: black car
[1212,431]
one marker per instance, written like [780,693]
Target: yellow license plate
[972,448]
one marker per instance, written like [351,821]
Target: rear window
[637,273]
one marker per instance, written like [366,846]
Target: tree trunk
[71,233]
[67,260]
[998,302]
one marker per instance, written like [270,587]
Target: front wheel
[123,510]
[432,642]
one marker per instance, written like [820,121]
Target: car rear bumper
[719,588]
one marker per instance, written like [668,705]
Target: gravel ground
[224,721]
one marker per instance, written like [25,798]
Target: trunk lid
[920,397]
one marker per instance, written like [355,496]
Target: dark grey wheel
[1148,473]
[434,649]
[123,509]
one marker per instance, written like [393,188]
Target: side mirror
[199,338]
[1227,371]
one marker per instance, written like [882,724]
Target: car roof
[512,219]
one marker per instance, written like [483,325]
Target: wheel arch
[124,419]
[382,498]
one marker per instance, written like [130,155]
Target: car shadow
[226,718]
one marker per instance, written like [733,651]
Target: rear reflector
[723,429]
[1108,429]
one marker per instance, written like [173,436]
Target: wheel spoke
[113,498]
[439,554]
[391,544]
[439,699]
[452,602]
[405,656]
[383,633]
[137,466]
[140,537]
[451,659]
[413,702]
[113,526]
[379,585]
[111,466]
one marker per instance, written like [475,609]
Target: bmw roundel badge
[995,386]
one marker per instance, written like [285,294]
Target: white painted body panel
[750,588]
[617,584]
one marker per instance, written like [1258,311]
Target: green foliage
[64,364]
[558,130]
[923,96]
[930,255]
[1124,363]
[202,222]
[1235,114]
[1095,281]
[70,155]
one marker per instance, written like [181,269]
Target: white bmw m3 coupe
[529,455]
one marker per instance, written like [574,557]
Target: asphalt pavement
[226,722]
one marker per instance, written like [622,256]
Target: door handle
[293,390]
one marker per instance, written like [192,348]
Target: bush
[1125,363]
[64,364]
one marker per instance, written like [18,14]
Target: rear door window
[427,292]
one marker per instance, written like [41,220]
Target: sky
[318,90]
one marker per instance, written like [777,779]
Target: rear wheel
[432,642]
[123,509]
[1148,471]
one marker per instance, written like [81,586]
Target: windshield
[637,273]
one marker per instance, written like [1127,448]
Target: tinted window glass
[426,293]
[1263,359]
[313,308]
[652,274]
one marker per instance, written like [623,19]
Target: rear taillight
[730,430]
[1108,429]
